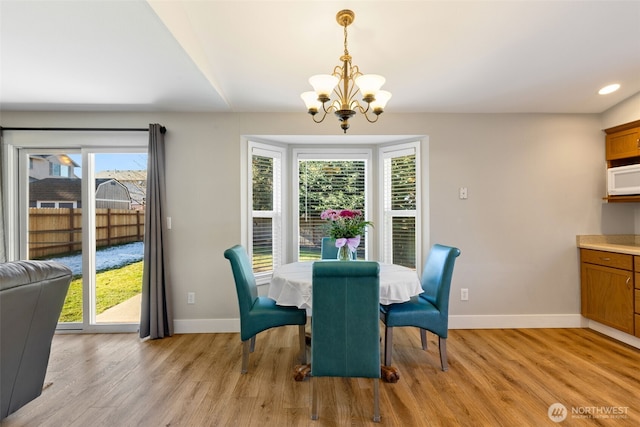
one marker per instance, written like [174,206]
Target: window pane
[55,223]
[262,183]
[404,241]
[327,184]
[120,192]
[262,244]
[403,183]
[400,191]
[266,177]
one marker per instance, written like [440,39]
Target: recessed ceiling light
[609,89]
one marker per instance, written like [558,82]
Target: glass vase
[346,254]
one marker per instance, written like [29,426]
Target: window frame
[290,148]
[334,153]
[385,236]
[279,254]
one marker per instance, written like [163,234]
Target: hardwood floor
[495,378]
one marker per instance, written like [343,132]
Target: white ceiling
[254,56]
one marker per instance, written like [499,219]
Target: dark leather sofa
[32,294]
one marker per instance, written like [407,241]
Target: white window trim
[387,152]
[280,218]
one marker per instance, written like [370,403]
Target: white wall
[535,181]
[625,112]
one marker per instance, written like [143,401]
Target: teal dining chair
[345,331]
[258,313]
[429,311]
[328,248]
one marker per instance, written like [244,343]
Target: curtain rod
[162,129]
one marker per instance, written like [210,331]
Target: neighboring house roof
[59,189]
[125,175]
[60,159]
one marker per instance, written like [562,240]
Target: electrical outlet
[464,294]
[462,193]
[191,297]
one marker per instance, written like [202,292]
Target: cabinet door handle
[605,259]
[628,280]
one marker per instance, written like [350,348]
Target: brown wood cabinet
[636,269]
[637,313]
[607,288]
[622,148]
[623,144]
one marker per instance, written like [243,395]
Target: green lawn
[112,288]
[118,285]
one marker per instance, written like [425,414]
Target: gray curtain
[156,318]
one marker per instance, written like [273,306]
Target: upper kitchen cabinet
[622,148]
[623,144]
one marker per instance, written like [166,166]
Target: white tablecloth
[291,284]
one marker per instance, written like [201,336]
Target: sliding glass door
[85,208]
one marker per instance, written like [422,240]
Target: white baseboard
[614,333]
[205,326]
[189,326]
[517,321]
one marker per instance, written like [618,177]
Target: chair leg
[388,345]
[442,343]
[245,355]
[423,338]
[303,344]
[253,343]
[314,398]
[376,400]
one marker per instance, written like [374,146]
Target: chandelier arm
[366,116]
[360,108]
[354,72]
[313,116]
[339,93]
[332,108]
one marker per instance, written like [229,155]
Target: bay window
[331,178]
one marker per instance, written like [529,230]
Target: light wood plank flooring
[495,378]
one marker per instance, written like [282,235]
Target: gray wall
[535,181]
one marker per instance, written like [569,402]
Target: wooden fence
[59,231]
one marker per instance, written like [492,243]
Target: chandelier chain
[346,51]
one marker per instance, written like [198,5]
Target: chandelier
[345,83]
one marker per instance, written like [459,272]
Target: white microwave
[623,180]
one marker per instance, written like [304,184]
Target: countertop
[620,243]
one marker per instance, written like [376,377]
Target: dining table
[291,284]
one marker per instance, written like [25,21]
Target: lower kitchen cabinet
[637,313]
[607,289]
